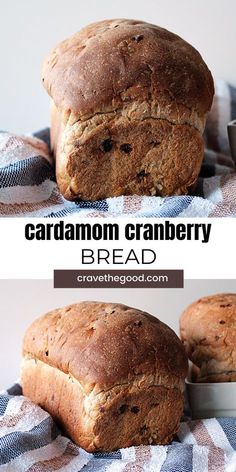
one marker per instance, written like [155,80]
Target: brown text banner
[118,278]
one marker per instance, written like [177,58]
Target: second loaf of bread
[208,331]
[112,376]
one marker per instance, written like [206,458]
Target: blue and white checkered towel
[30,441]
[28,186]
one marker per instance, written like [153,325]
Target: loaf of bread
[208,331]
[110,375]
[129,103]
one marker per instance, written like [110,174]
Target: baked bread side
[208,331]
[112,376]
[111,155]
[129,107]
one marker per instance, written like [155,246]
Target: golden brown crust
[126,415]
[112,61]
[102,344]
[111,375]
[129,107]
[208,331]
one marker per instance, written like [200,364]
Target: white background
[24,300]
[29,29]
[22,259]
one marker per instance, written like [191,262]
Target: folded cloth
[30,441]
[28,186]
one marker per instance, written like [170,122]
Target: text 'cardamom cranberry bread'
[208,331]
[112,376]
[129,103]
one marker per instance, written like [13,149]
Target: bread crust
[109,374]
[127,415]
[109,62]
[208,331]
[129,107]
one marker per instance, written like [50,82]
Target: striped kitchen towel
[28,186]
[30,441]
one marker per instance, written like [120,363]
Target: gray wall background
[24,300]
[29,29]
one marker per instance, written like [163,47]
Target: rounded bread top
[105,344]
[208,331]
[116,61]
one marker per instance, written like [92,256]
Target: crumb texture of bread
[129,106]
[208,332]
[111,375]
